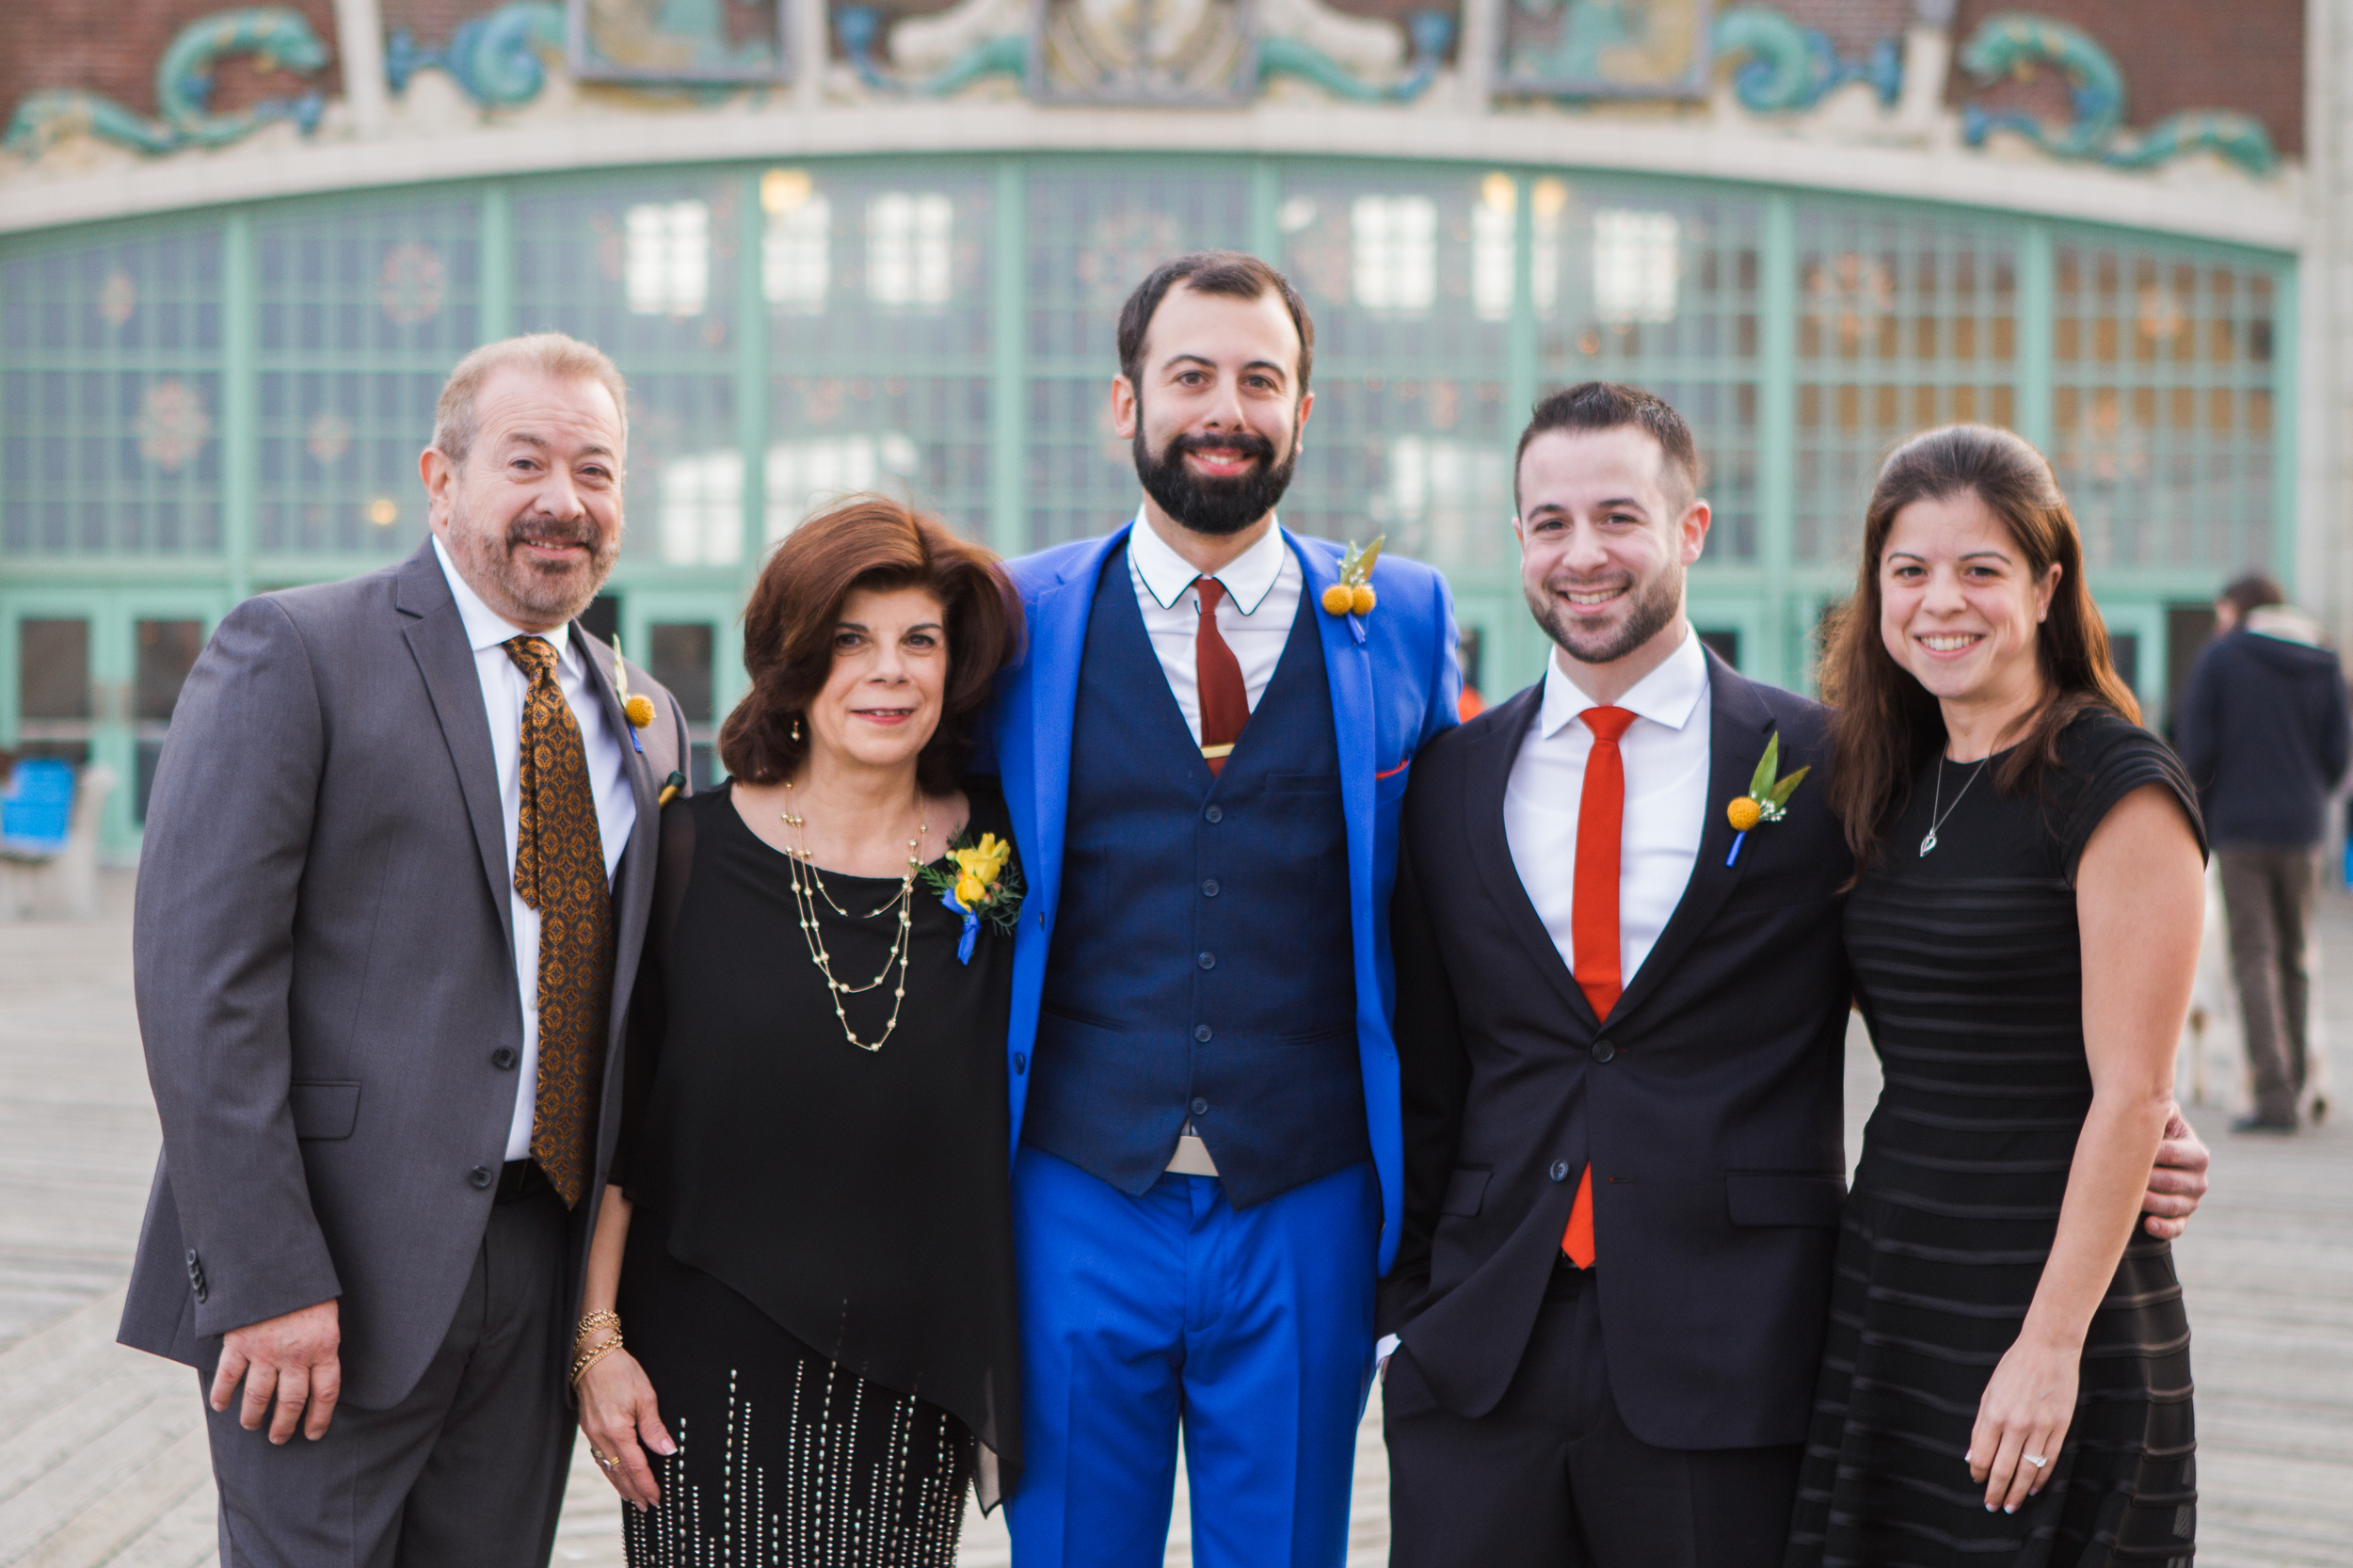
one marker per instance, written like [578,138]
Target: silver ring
[2035,1460]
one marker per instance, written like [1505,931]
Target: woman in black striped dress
[2007,1377]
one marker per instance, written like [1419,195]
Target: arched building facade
[225,309]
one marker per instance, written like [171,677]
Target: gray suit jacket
[326,973]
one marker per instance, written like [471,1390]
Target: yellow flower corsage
[1352,594]
[1768,799]
[985,885]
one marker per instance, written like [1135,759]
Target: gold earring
[796,729]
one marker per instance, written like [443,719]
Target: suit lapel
[1738,727]
[436,640]
[1058,631]
[634,877]
[1487,773]
[1348,671]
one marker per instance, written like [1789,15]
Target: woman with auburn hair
[809,1236]
[2007,1377]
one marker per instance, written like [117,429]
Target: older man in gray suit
[397,875]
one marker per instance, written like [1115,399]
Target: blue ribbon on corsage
[971,926]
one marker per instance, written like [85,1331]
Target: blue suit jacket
[1394,685]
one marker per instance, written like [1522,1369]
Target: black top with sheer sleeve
[859,1198]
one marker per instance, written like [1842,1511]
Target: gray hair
[566,358]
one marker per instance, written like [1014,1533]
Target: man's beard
[1651,609]
[1219,506]
[551,594]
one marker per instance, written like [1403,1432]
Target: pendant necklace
[1938,812]
[808,887]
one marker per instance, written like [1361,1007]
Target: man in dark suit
[1620,1027]
[397,875]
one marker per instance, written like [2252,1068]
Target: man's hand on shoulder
[287,1362]
[2178,1182]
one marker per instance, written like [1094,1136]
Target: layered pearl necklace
[808,887]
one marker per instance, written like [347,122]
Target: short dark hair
[1614,405]
[1233,275]
[2252,592]
[868,541]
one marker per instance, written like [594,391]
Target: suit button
[503,1058]
[1560,1171]
[1021,1063]
[481,1177]
[1208,960]
[1199,1107]
[1215,813]
[1208,888]
[1201,1033]
[1604,1050]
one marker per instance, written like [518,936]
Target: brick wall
[112,48]
[1852,26]
[2175,54]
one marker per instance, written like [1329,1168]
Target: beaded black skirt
[785,1459]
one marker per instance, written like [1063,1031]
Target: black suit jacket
[1711,1101]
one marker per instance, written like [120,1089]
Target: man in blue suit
[1204,762]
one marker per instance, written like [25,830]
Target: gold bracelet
[590,1357]
[594,1322]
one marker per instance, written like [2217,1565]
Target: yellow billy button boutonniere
[984,885]
[1768,799]
[1352,594]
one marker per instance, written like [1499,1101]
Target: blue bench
[37,809]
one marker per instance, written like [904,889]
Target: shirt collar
[1249,576]
[485,627]
[1668,694]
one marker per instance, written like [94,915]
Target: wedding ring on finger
[2035,1460]
[607,1462]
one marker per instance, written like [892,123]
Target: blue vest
[1201,963]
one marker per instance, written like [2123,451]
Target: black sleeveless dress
[1969,972]
[818,1276]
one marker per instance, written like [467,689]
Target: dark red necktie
[1593,916]
[1225,701]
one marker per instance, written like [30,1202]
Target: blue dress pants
[1249,1331]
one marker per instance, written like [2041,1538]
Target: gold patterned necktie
[559,871]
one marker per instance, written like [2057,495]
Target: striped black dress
[1969,972]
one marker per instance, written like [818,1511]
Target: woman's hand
[616,1411]
[2023,1418]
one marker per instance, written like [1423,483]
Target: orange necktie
[1225,701]
[559,871]
[1593,916]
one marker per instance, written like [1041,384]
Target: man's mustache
[549,531]
[1249,443]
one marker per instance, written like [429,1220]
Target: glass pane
[1094,237]
[1652,287]
[363,310]
[645,268]
[110,405]
[878,286]
[52,669]
[167,652]
[681,663]
[2162,390]
[1904,323]
[1407,437]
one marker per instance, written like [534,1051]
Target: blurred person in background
[2265,734]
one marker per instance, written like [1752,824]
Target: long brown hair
[1887,725]
[868,541]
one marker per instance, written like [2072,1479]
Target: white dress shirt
[1263,589]
[503,688]
[1666,755]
